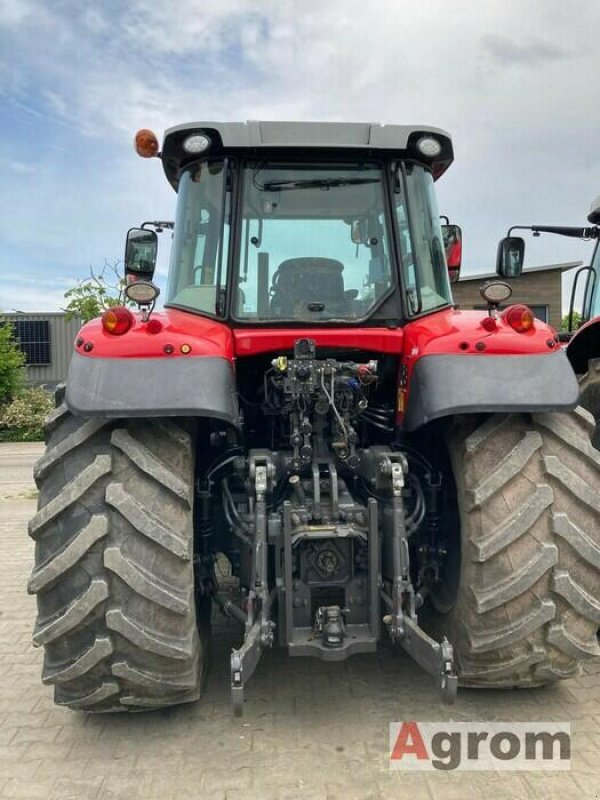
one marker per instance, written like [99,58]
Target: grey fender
[443,385]
[151,387]
[584,346]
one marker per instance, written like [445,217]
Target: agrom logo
[480,746]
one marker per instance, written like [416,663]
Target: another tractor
[583,348]
[312,412]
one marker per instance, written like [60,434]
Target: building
[47,341]
[539,287]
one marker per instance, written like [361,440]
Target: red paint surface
[446,331]
[205,336]
[266,340]
[441,332]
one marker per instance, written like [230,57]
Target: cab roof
[244,138]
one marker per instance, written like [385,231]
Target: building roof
[543,268]
[36,314]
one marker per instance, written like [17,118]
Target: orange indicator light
[146,143]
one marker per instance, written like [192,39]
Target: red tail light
[519,317]
[117,320]
[489,324]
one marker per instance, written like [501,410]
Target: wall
[533,288]
[62,335]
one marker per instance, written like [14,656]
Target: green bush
[22,420]
[12,361]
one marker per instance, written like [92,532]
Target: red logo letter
[409,741]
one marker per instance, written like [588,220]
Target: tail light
[117,320]
[519,317]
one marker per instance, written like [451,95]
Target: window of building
[33,337]
[540,312]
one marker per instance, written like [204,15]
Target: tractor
[310,415]
[583,343]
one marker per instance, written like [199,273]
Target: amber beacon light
[146,143]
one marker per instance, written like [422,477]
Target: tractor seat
[300,281]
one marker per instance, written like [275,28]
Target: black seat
[301,281]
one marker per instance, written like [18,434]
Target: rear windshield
[315,243]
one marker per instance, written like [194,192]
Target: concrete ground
[310,730]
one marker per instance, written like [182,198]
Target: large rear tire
[113,568]
[528,603]
[589,386]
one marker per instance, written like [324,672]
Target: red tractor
[583,343]
[311,412]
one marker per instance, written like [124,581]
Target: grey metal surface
[62,335]
[358,639]
[255,133]
[301,137]
[445,385]
[151,387]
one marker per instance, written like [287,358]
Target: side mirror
[358,231]
[140,254]
[452,236]
[511,254]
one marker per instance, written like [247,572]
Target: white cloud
[197,27]
[512,82]
[18,293]
[16,12]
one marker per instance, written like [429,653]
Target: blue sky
[513,82]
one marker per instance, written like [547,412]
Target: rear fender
[176,364]
[202,386]
[584,346]
[444,385]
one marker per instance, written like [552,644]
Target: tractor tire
[527,607]
[589,386]
[113,570]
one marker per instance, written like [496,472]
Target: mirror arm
[578,274]
[575,233]
[159,226]
[588,294]
[518,228]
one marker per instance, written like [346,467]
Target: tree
[95,294]
[12,362]
[564,323]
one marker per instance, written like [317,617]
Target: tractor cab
[308,224]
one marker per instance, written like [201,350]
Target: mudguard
[150,387]
[584,346]
[443,385]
